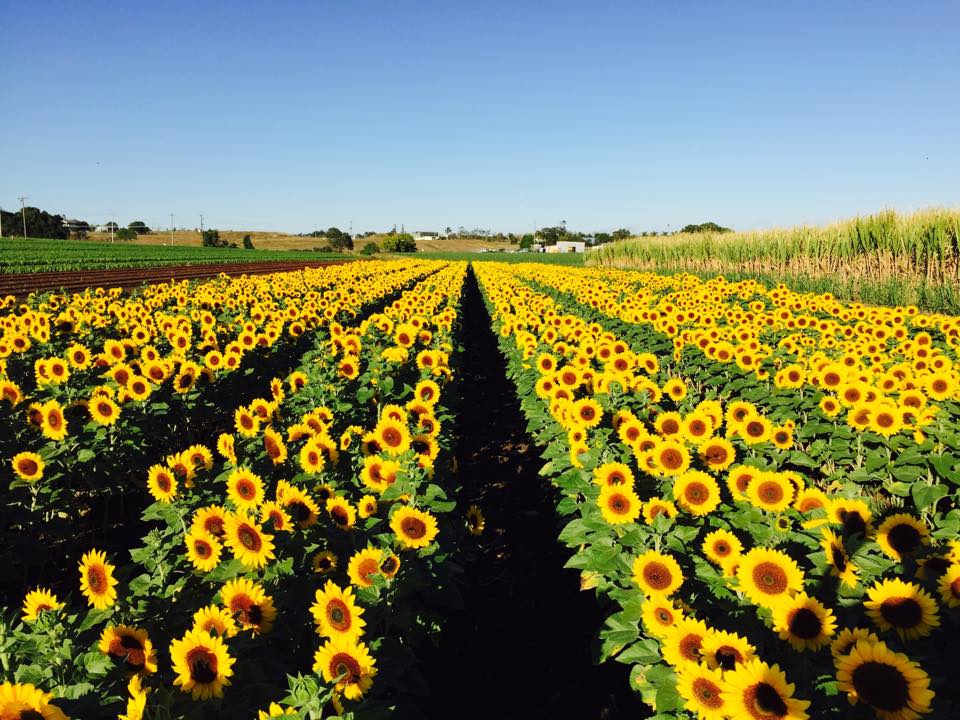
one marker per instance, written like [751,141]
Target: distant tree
[526,242]
[247,242]
[339,240]
[371,248]
[211,238]
[125,234]
[603,238]
[40,224]
[551,235]
[705,227]
[140,227]
[621,234]
[399,243]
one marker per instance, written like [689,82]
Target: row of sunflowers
[292,562]
[761,485]
[93,385]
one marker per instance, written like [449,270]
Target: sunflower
[725,651]
[275,710]
[378,474]
[657,574]
[23,701]
[303,509]
[274,446]
[215,620]
[249,543]
[347,664]
[342,512]
[612,474]
[392,436]
[414,528]
[212,519]
[367,507]
[756,429]
[226,446]
[390,565]
[847,638]
[335,613]
[854,515]
[768,576]
[587,412]
[701,688]
[245,489]
[103,410]
[427,391]
[738,480]
[804,622]
[660,615]
[475,520]
[893,685]
[249,605]
[162,484]
[202,664]
[682,643]
[717,453]
[770,491]
[52,422]
[619,504]
[669,425]
[901,534]
[364,565]
[38,601]
[837,558]
[901,606]
[949,586]
[246,423]
[203,549]
[129,647]
[137,702]
[96,580]
[274,513]
[28,466]
[676,388]
[324,562]
[696,492]
[761,692]
[669,457]
[810,499]
[720,546]
[658,506]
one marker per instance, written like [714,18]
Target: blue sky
[291,115]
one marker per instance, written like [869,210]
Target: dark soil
[522,646]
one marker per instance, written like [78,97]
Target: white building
[566,246]
[426,235]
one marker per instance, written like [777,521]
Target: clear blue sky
[290,115]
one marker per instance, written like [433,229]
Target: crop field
[37,255]
[517,488]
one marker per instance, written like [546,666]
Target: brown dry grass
[262,240]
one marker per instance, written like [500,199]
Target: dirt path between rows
[521,648]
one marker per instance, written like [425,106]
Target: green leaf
[926,495]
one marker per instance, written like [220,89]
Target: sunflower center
[716,454]
[249,538]
[299,510]
[202,548]
[853,522]
[163,482]
[619,504]
[413,527]
[664,616]
[670,427]
[203,665]
[345,667]
[338,615]
[340,515]
[128,649]
[707,693]
[755,429]
[29,715]
[214,526]
[765,702]
[28,466]
[770,493]
[839,556]
[392,437]
[690,646]
[389,565]
[903,538]
[696,493]
[770,578]
[901,612]
[245,489]
[246,609]
[721,548]
[657,575]
[95,579]
[367,568]
[882,686]
[727,657]
[805,624]
[671,459]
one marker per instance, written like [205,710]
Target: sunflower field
[241,497]
[762,484]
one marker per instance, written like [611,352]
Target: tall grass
[914,258]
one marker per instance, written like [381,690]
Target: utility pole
[171,228]
[201,224]
[23,213]
[113,224]
[1,222]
